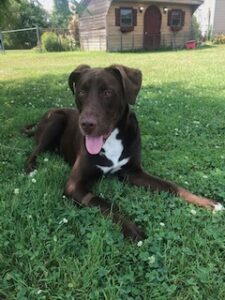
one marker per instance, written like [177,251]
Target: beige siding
[94,40]
[134,40]
[92,25]
[219,17]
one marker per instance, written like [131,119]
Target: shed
[116,25]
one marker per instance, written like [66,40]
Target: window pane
[126,17]
[176,19]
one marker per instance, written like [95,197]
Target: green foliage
[61,14]
[52,249]
[196,28]
[53,42]
[219,39]
[23,14]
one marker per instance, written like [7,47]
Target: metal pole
[38,37]
[2,43]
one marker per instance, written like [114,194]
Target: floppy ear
[75,75]
[131,81]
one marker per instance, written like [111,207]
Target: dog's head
[102,96]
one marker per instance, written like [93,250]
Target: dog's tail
[29,130]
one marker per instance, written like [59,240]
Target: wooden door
[152,27]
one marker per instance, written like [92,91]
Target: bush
[51,42]
[219,39]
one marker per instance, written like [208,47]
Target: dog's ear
[131,80]
[75,75]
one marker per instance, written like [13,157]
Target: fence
[132,42]
[28,38]
[24,38]
[31,37]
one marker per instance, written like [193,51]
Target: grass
[51,249]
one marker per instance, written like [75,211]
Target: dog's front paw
[130,230]
[30,167]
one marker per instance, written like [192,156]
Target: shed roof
[101,7]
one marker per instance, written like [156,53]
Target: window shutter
[117,16]
[169,17]
[134,17]
[182,18]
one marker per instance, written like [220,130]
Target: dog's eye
[81,93]
[107,93]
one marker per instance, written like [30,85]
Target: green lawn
[51,249]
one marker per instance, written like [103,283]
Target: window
[176,19]
[126,17]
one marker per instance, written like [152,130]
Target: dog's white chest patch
[113,149]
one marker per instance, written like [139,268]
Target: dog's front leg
[77,189]
[140,178]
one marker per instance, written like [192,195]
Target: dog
[102,136]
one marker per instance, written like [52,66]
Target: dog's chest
[112,151]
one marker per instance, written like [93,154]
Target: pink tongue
[94,144]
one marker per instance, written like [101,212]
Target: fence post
[38,37]
[133,41]
[2,48]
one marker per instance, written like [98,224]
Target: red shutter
[169,17]
[117,16]
[182,18]
[134,17]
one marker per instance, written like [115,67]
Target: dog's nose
[88,124]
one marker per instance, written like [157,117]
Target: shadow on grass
[176,122]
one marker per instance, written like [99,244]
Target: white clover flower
[162,224]
[33,180]
[193,212]
[16,191]
[205,176]
[151,259]
[140,243]
[196,122]
[64,197]
[218,207]
[46,159]
[33,173]
[63,221]
[39,292]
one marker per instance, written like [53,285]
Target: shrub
[55,42]
[51,42]
[219,39]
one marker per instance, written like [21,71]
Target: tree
[196,28]
[24,14]
[61,14]
[5,11]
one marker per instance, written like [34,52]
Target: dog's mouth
[94,144]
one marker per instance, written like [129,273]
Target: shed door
[152,27]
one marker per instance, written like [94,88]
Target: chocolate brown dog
[102,137]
